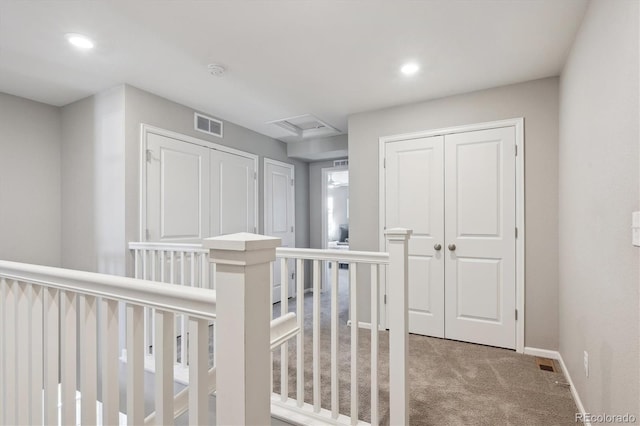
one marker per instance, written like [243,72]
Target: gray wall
[93,203]
[537,102]
[147,108]
[599,188]
[30,181]
[319,149]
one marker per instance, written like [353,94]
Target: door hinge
[255,176]
[516,232]
[292,229]
[292,182]
[384,163]
[385,299]
[516,150]
[149,155]
[293,275]
[516,315]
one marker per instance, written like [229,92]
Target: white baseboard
[545,353]
[574,391]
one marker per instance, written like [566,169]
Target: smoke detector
[215,69]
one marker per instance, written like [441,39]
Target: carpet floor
[451,383]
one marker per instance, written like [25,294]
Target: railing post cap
[242,241]
[395,234]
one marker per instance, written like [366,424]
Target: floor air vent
[546,364]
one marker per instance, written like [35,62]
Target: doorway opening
[335,213]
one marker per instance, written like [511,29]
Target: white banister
[10,352]
[135,365]
[37,378]
[51,345]
[243,370]
[50,321]
[345,256]
[300,339]
[375,320]
[316,336]
[199,360]
[284,309]
[398,292]
[163,351]
[173,298]
[282,329]
[22,347]
[335,385]
[68,353]
[193,258]
[110,362]
[89,359]
[353,311]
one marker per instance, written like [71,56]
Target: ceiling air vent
[207,125]
[340,163]
[306,126]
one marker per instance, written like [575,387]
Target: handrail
[187,248]
[197,302]
[344,256]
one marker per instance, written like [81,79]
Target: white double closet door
[194,192]
[457,193]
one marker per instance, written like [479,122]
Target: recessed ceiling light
[410,68]
[79,40]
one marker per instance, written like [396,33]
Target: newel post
[398,322]
[243,310]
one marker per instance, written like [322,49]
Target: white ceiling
[284,58]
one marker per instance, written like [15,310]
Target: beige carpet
[451,383]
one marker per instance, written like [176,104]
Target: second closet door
[233,194]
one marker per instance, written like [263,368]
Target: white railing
[393,263]
[45,311]
[181,264]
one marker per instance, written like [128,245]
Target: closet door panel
[233,194]
[480,222]
[178,190]
[414,199]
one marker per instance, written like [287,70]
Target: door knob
[452,247]
[437,247]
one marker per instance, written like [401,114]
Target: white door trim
[324,172]
[145,129]
[518,124]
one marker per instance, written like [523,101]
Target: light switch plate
[635,229]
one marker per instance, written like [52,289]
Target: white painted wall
[93,173]
[598,190]
[537,102]
[30,181]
